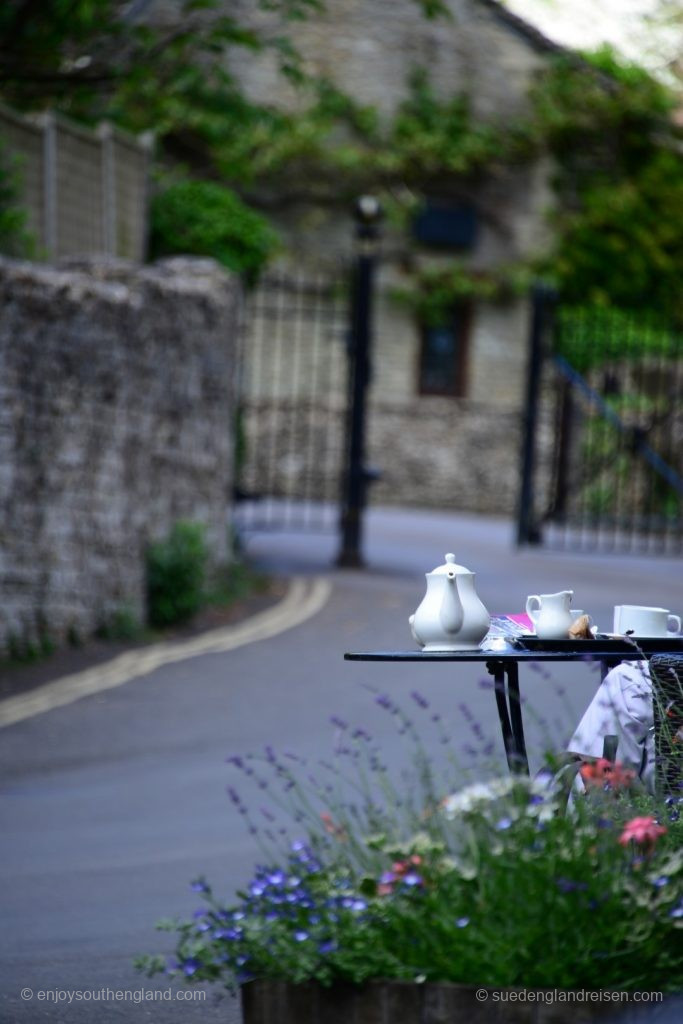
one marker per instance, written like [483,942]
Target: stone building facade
[116,421]
[454,445]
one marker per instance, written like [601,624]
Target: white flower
[479,795]
[476,796]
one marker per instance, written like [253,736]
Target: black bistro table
[503,663]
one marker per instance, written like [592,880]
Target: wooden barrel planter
[405,1002]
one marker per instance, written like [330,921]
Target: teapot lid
[450,567]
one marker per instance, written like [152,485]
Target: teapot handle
[533,607]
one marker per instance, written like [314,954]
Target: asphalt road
[111,805]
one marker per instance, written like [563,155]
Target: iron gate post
[543,301]
[356,475]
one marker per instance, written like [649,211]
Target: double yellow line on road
[304,598]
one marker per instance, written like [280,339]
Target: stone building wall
[456,452]
[116,417]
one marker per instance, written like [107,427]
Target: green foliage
[590,336]
[15,240]
[436,290]
[31,644]
[400,877]
[176,575]
[619,181]
[608,124]
[122,624]
[206,219]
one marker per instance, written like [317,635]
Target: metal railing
[606,444]
[293,404]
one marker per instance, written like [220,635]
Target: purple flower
[419,699]
[199,886]
[190,967]
[462,922]
[361,734]
[661,881]
[503,824]
[566,885]
[329,946]
[412,879]
[339,722]
[300,936]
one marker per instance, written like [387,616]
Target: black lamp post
[368,213]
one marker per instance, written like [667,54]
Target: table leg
[515,702]
[497,670]
[510,714]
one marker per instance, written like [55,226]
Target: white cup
[646,622]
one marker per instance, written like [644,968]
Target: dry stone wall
[116,417]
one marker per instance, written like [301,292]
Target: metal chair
[666,671]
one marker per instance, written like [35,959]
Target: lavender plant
[409,874]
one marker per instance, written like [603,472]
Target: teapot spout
[450,613]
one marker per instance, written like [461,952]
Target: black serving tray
[616,645]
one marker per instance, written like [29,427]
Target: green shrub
[176,574]
[415,874]
[121,624]
[15,240]
[202,218]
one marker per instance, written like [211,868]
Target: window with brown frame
[443,355]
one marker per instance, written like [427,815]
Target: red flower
[645,831]
[338,831]
[604,773]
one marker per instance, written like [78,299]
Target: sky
[585,24]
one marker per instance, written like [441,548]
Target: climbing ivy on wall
[618,223]
[619,182]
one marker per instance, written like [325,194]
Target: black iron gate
[293,404]
[603,458]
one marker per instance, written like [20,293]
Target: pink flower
[645,831]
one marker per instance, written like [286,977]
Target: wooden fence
[84,191]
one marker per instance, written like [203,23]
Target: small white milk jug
[550,614]
[451,617]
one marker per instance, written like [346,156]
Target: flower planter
[405,1002]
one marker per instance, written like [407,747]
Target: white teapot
[451,616]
